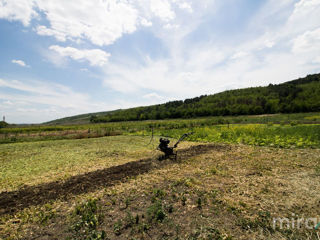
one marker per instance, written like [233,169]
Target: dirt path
[11,202]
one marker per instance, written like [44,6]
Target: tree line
[301,95]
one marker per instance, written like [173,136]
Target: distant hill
[79,119]
[300,95]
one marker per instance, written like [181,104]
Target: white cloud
[280,43]
[44,31]
[20,63]
[182,77]
[40,101]
[95,57]
[305,14]
[162,9]
[304,17]
[307,42]
[193,70]
[269,43]
[306,47]
[186,6]
[18,10]
[99,21]
[239,54]
[153,97]
[170,26]
[145,22]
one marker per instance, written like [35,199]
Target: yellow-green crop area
[286,136]
[230,180]
[39,162]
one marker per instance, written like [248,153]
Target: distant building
[4,118]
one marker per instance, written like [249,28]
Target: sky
[61,58]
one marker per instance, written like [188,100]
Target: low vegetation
[251,134]
[257,130]
[39,162]
[226,192]
[233,176]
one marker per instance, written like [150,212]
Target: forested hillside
[301,95]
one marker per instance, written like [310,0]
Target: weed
[144,227]
[45,216]
[156,212]
[199,203]
[129,220]
[263,220]
[242,204]
[183,200]
[127,202]
[137,219]
[213,171]
[170,208]
[87,221]
[246,223]
[189,182]
[158,193]
[236,211]
[117,228]
[213,193]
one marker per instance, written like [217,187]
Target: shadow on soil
[11,202]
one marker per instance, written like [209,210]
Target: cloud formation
[158,50]
[20,63]
[100,22]
[18,10]
[30,98]
[95,57]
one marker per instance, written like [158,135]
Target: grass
[46,132]
[187,200]
[38,162]
[252,174]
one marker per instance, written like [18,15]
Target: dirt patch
[11,202]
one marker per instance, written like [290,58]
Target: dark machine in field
[168,151]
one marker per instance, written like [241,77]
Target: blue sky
[61,58]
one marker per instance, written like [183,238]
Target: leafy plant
[156,212]
[117,227]
[87,220]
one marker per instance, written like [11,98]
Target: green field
[39,162]
[105,181]
[280,130]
